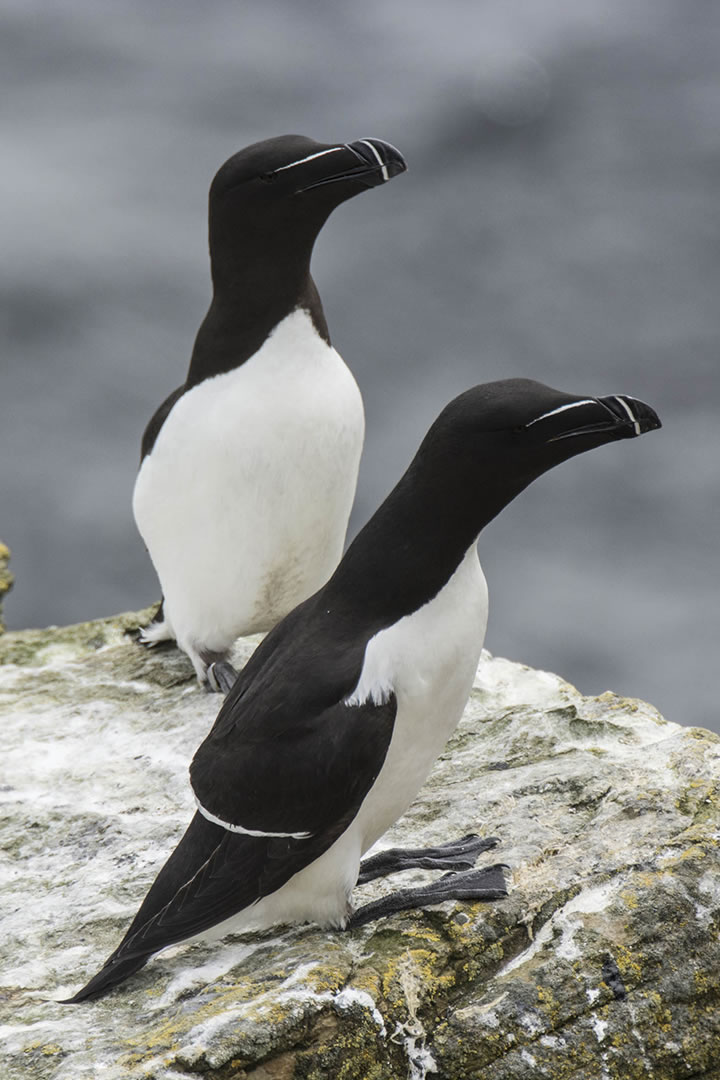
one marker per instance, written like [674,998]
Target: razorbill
[335,722]
[248,470]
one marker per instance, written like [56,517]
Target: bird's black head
[528,420]
[268,203]
[275,195]
[485,447]
[290,166]
[500,436]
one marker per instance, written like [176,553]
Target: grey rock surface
[603,962]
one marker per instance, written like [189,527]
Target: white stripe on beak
[562,408]
[381,163]
[630,413]
[310,157]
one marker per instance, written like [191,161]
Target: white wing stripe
[246,832]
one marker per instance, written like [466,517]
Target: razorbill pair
[248,470]
[335,722]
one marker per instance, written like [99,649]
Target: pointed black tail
[113,973]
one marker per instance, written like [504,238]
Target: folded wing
[295,787]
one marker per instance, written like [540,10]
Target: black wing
[312,777]
[272,774]
[284,741]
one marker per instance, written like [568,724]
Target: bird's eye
[268,177]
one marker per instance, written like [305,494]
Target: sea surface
[559,220]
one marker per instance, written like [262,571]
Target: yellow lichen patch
[695,851]
[50,1050]
[549,1006]
[413,976]
[628,964]
[707,983]
[702,735]
[461,931]
[617,703]
[6,578]
[695,834]
[645,879]
[327,975]
[692,795]
[165,1034]
[368,980]
[630,898]
[426,934]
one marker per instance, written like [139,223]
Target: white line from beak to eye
[562,408]
[310,157]
[630,413]
[381,163]
[246,832]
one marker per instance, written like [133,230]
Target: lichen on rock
[603,961]
[6,578]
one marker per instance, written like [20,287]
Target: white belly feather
[243,502]
[428,660]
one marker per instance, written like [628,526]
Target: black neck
[414,543]
[255,287]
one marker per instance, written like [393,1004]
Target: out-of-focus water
[559,220]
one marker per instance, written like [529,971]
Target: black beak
[632,413]
[620,417]
[368,161]
[379,160]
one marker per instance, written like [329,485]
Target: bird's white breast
[244,499]
[428,660]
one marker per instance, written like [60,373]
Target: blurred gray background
[559,220]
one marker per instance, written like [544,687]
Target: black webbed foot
[221,677]
[486,884]
[455,855]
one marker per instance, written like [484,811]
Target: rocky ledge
[603,962]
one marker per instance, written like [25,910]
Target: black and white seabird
[334,724]
[248,470]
